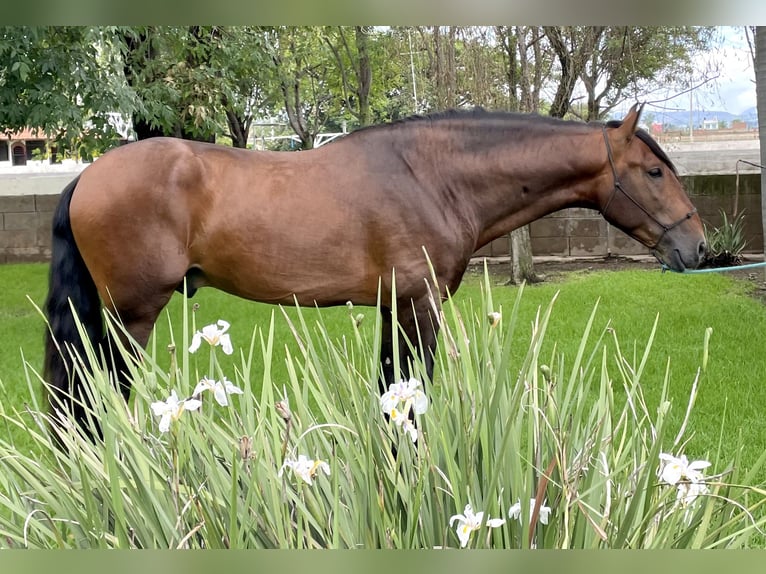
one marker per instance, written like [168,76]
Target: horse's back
[267,226]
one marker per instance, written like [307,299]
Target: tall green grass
[729,403]
[513,415]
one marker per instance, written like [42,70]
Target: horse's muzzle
[679,259]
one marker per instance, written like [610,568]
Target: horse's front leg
[419,330]
[387,375]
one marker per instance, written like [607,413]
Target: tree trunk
[760,90]
[573,48]
[522,263]
[238,129]
[569,75]
[364,74]
[444,67]
[356,94]
[525,92]
[508,43]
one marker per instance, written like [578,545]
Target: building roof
[25,134]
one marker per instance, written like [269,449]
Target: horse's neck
[517,183]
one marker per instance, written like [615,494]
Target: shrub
[725,243]
[554,452]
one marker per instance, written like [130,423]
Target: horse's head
[645,198]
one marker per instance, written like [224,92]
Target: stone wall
[27,204]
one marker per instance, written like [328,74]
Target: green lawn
[730,401]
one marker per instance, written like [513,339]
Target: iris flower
[305,468]
[405,394]
[468,522]
[686,476]
[214,336]
[171,409]
[221,389]
[543,514]
[680,469]
[400,398]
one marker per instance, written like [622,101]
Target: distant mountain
[750,115]
[681,119]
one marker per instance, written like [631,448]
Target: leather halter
[618,186]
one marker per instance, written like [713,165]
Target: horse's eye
[655,172]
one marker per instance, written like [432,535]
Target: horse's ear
[622,135]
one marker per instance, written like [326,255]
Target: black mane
[488,118]
[649,141]
[479,113]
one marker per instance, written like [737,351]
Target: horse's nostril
[702,249]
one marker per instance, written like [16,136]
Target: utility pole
[691,115]
[412,69]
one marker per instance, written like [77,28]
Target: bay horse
[329,225]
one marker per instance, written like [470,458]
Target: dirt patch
[557,268]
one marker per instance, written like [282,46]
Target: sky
[734,89]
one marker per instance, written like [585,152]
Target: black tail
[69,280]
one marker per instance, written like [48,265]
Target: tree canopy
[214,82]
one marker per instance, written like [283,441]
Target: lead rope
[716,269]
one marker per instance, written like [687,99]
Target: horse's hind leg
[135,316]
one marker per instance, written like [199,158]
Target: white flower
[305,467]
[400,398]
[400,419]
[171,409]
[686,476]
[494,318]
[220,389]
[687,492]
[514,511]
[405,394]
[214,336]
[680,469]
[410,429]
[468,522]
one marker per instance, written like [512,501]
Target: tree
[196,82]
[626,59]
[354,65]
[300,69]
[242,60]
[508,46]
[177,89]
[573,46]
[760,89]
[62,80]
[442,68]
[481,67]
[527,72]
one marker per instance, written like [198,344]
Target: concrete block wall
[584,233]
[27,205]
[25,227]
[580,232]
